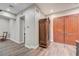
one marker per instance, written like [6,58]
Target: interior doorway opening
[22,29]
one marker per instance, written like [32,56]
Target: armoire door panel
[47,30]
[42,34]
[58,29]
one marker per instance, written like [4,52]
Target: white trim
[31,47]
[63,11]
[21,42]
[15,41]
[22,11]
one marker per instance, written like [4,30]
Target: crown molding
[9,12]
[25,9]
[33,5]
[40,9]
[63,11]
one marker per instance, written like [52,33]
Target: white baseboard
[15,41]
[31,47]
[8,38]
[22,42]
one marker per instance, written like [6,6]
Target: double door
[66,29]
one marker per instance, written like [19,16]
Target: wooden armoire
[66,29]
[44,32]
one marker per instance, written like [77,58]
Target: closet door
[58,29]
[71,29]
[78,26]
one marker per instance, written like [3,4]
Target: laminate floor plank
[10,48]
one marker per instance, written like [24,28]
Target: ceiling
[49,8]
[46,8]
[14,7]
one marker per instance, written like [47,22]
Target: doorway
[22,29]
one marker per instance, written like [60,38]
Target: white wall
[4,25]
[12,29]
[31,27]
[74,11]
[7,24]
[17,37]
[30,40]
[32,33]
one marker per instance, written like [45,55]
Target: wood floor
[9,48]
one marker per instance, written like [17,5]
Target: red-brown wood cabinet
[66,29]
[44,32]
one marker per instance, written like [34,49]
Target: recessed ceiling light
[51,10]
